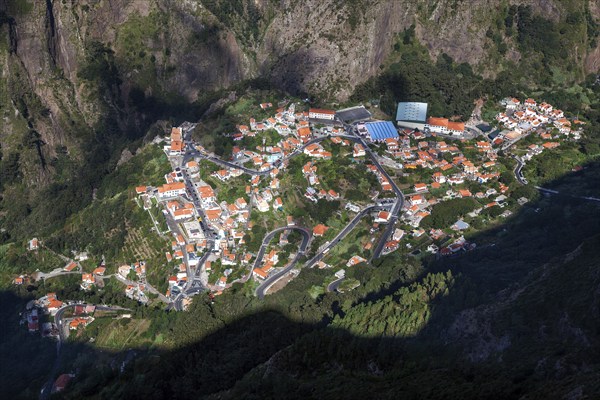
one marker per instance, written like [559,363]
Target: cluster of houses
[136,291]
[521,118]
[82,316]
[176,145]
[49,303]
[231,219]
[31,316]
[450,170]
[309,170]
[269,261]
[89,280]
[383,181]
[415,147]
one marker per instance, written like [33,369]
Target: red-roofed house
[320,230]
[319,113]
[420,187]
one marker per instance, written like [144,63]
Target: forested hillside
[85,86]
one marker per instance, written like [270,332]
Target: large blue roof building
[381,130]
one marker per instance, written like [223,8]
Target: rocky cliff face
[161,52]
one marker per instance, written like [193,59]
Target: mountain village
[211,206]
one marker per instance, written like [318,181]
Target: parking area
[353,114]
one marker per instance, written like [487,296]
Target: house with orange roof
[259,273]
[70,266]
[439,177]
[358,150]
[382,217]
[75,323]
[54,305]
[176,134]
[213,214]
[456,128]
[171,190]
[320,113]
[530,103]
[176,147]
[222,175]
[417,200]
[556,114]
[551,145]
[207,194]
[304,134]
[278,204]
[420,187]
[469,167]
[320,230]
[354,260]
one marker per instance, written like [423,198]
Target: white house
[319,113]
[171,190]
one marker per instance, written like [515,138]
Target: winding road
[195,286]
[332,287]
[398,204]
[342,234]
[518,171]
[270,281]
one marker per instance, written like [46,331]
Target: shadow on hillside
[489,352]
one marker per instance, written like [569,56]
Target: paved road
[46,390]
[55,273]
[332,287]
[396,208]
[518,171]
[250,171]
[194,285]
[342,234]
[267,283]
[149,287]
[556,192]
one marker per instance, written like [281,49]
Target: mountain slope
[81,80]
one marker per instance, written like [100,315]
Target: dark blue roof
[381,130]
